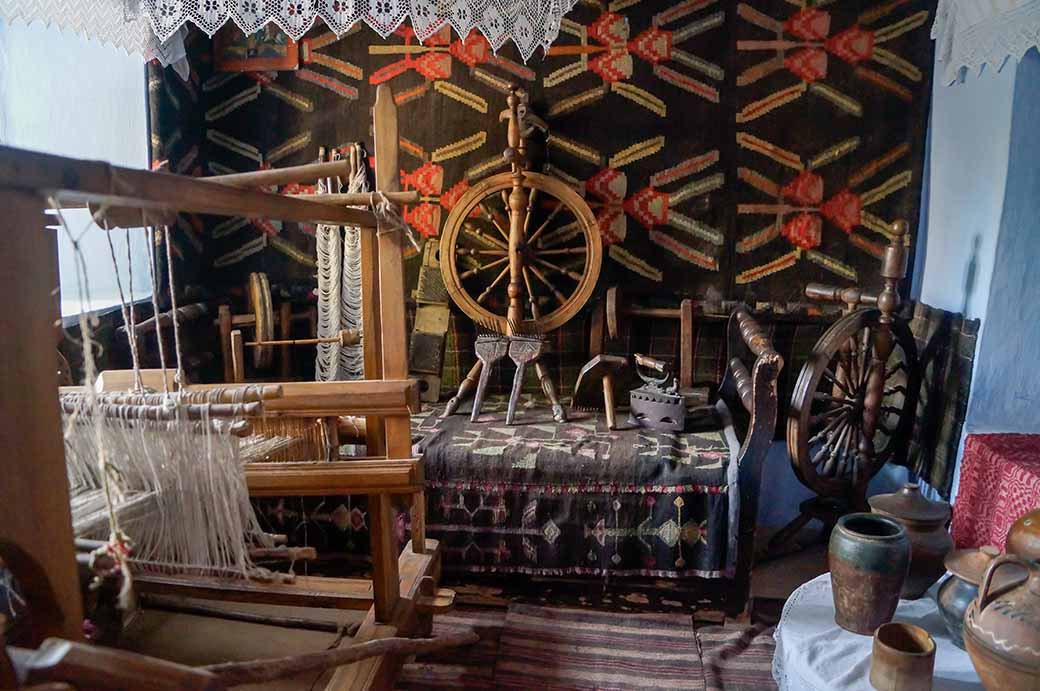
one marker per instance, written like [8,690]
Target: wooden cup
[903,658]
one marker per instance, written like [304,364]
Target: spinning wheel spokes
[827,427]
[559,256]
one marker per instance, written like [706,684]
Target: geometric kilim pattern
[829,109]
[732,149]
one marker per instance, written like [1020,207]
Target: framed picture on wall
[270,48]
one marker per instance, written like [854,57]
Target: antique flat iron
[656,404]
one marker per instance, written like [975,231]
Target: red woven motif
[425,217]
[852,45]
[811,24]
[614,66]
[427,178]
[472,51]
[809,65]
[452,195]
[649,207]
[844,210]
[1000,481]
[804,230]
[653,45]
[609,29]
[806,189]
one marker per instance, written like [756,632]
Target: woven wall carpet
[729,149]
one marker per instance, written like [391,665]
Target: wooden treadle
[306,591]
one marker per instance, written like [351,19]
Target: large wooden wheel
[263,312]
[829,412]
[559,256]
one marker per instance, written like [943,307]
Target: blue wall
[1005,394]
[968,143]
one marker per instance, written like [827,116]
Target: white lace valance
[972,33]
[130,24]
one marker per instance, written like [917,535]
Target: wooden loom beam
[36,532]
[94,182]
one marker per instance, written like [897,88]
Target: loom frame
[36,539]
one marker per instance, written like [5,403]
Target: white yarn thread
[339,289]
[175,485]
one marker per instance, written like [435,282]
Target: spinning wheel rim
[548,186]
[799,426]
[263,313]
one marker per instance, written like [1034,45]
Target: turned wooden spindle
[893,270]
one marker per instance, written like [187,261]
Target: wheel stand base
[827,510]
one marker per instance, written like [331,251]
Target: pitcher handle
[985,596]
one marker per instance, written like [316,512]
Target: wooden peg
[431,600]
[346,337]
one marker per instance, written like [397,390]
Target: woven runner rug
[737,658]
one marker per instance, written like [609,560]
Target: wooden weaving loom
[36,538]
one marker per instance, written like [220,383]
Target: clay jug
[868,557]
[1024,537]
[1002,629]
[925,522]
[966,567]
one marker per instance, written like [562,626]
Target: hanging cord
[119,546]
[131,334]
[179,375]
[133,320]
[155,308]
[390,218]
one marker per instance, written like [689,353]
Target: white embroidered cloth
[972,33]
[815,654]
[126,23]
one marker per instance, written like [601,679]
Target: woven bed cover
[575,499]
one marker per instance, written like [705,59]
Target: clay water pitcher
[1002,629]
[1024,537]
[966,567]
[925,522]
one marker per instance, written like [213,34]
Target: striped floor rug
[531,647]
[550,648]
[737,658]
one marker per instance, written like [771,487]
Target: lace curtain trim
[972,33]
[155,28]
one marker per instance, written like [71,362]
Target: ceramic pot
[1024,537]
[1002,629]
[925,523]
[868,557]
[903,658]
[966,567]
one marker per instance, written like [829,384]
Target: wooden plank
[321,399]
[362,198]
[399,476]
[224,326]
[391,270]
[372,342]
[386,582]
[238,358]
[686,344]
[306,591]
[305,174]
[36,531]
[380,672]
[76,182]
[285,332]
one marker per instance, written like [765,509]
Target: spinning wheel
[830,416]
[855,400]
[559,253]
[520,255]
